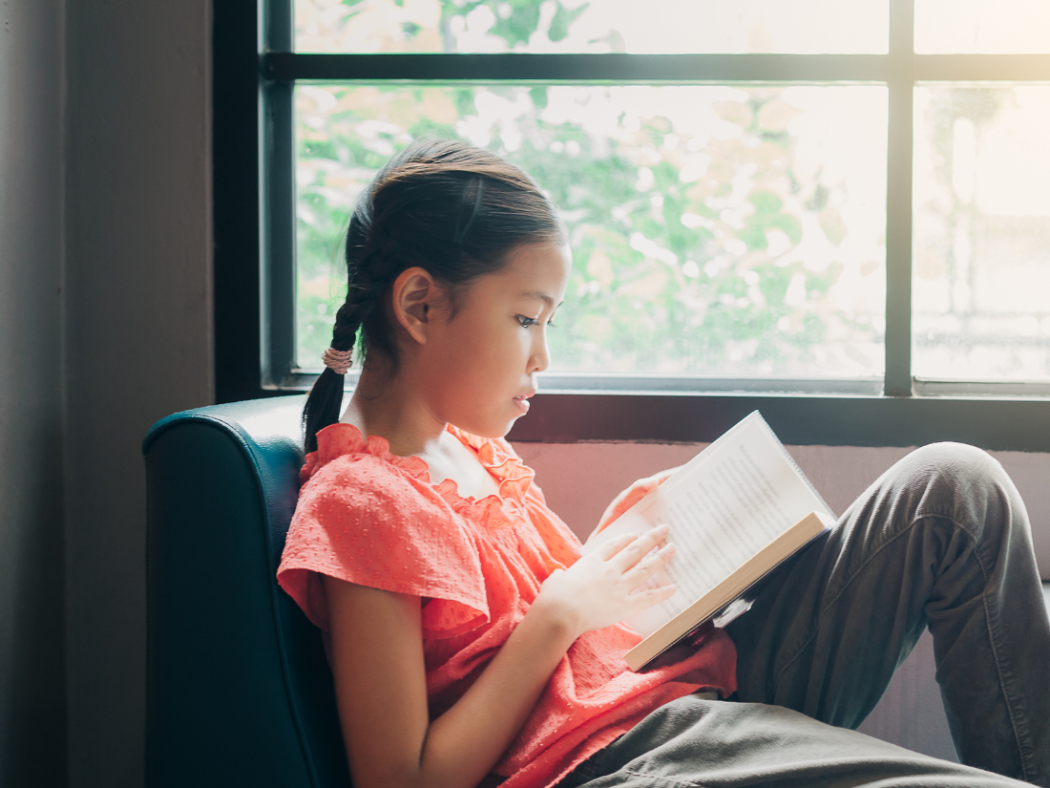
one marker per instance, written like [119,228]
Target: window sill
[999,423]
[1008,417]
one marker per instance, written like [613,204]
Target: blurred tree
[701,244]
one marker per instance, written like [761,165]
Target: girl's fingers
[632,495]
[629,501]
[643,571]
[633,552]
[652,596]
[663,476]
[657,561]
[635,494]
[664,592]
[608,549]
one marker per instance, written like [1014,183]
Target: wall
[910,713]
[841,473]
[139,334]
[32,686]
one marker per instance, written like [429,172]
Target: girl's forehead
[540,268]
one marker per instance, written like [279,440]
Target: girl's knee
[962,481]
[957,463]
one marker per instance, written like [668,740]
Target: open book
[736,511]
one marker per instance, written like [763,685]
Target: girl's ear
[415,297]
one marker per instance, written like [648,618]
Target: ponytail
[324,404]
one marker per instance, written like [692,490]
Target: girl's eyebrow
[537,295]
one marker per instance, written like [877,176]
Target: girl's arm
[380,678]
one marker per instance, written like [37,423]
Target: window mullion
[899,200]
[277,201]
[278,26]
[619,69]
[277,146]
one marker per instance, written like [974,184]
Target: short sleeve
[361,521]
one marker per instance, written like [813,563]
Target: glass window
[717,231]
[592,26]
[981,286]
[982,26]
[762,195]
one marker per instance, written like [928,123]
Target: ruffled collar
[511,474]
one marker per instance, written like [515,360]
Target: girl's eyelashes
[528,322]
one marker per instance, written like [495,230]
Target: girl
[471,644]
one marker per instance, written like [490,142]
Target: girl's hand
[629,497]
[602,588]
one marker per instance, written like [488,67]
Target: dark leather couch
[238,689]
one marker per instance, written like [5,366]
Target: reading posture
[470,642]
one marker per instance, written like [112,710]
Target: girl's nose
[541,356]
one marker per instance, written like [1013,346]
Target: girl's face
[479,367]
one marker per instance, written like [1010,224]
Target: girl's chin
[507,427]
[497,425]
[491,429]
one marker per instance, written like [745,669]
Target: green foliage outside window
[715,230]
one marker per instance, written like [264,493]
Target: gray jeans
[940,540]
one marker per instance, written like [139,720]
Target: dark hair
[455,210]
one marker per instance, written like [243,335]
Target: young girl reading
[471,644]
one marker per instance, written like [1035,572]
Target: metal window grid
[897,410]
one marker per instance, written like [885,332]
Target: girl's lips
[522,403]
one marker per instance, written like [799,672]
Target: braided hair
[452,209]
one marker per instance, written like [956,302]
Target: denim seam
[993,624]
[1005,679]
[878,548]
[1023,750]
[657,779]
[875,552]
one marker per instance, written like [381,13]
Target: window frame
[255,70]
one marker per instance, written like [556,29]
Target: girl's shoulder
[356,472]
[370,517]
[344,442]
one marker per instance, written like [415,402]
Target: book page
[726,504]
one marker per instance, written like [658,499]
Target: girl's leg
[691,742]
[941,539]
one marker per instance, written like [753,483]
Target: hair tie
[339,361]
[462,233]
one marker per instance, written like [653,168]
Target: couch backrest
[238,688]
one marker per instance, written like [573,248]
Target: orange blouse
[372,518]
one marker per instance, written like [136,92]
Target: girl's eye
[529,322]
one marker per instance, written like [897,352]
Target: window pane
[982,232]
[589,26]
[722,231]
[982,26]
